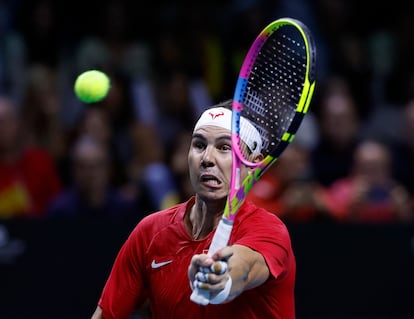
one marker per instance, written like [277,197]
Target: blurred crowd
[351,161]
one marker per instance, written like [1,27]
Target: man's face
[209,161]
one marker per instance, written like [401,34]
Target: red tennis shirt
[153,264]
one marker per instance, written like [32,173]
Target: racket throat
[237,178]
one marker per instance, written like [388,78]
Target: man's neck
[203,218]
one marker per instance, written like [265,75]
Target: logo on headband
[215,115]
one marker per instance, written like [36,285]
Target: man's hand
[210,272]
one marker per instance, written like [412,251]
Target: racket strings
[275,85]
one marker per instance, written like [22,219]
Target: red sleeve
[125,289]
[266,233]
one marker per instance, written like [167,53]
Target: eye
[198,144]
[225,147]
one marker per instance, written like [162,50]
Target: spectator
[118,107]
[178,163]
[403,149]
[12,52]
[40,24]
[369,193]
[91,194]
[110,40]
[338,135]
[96,121]
[28,176]
[288,189]
[151,177]
[176,109]
[41,110]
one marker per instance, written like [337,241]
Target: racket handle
[220,240]
[221,236]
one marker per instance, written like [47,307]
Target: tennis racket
[273,92]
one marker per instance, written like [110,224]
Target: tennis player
[164,257]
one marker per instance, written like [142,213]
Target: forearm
[247,269]
[98,313]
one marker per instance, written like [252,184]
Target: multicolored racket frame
[286,92]
[273,92]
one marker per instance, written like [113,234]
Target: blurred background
[75,179]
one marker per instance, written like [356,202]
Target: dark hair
[226,104]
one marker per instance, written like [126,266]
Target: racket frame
[237,189]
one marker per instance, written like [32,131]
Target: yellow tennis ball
[92,86]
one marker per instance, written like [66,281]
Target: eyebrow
[220,138]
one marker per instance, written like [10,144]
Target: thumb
[223,254]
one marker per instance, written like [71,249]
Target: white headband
[221,117]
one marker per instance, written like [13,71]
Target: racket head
[274,88]
[273,93]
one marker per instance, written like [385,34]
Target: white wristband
[222,295]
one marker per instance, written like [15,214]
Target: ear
[256,157]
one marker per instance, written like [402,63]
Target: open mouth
[210,180]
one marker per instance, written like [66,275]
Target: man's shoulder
[160,226]
[167,213]
[250,210]
[163,218]
[252,217]
[256,225]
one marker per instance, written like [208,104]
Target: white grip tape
[200,296]
[220,240]
[221,236]
[224,294]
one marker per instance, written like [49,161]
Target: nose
[208,157]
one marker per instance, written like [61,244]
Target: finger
[219,267]
[202,260]
[201,276]
[199,284]
[193,268]
[199,262]
[211,282]
[210,279]
[223,254]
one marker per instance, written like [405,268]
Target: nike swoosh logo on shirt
[158,265]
